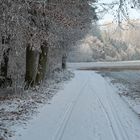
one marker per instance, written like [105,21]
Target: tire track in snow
[127,121]
[107,116]
[77,114]
[121,129]
[67,115]
[117,118]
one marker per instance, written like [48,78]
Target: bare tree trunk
[4,63]
[32,59]
[64,59]
[42,64]
[4,79]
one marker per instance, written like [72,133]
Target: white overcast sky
[133,14]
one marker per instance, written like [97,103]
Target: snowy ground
[124,75]
[17,109]
[118,65]
[88,108]
[128,85]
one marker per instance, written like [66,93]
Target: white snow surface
[86,109]
[115,64]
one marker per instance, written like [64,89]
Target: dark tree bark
[32,59]
[4,63]
[42,64]
[4,79]
[64,59]
[5,58]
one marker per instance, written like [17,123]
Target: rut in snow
[88,108]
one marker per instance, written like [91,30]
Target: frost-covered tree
[31,29]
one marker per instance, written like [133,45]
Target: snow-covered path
[87,109]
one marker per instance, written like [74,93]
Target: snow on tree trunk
[42,64]
[32,59]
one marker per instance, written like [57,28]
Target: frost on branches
[36,34]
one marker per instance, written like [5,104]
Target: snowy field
[118,65]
